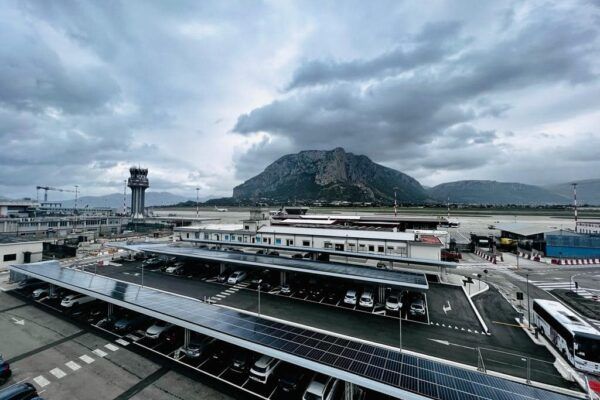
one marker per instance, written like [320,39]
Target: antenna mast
[575,203]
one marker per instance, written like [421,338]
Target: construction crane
[47,188]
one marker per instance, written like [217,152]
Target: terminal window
[380,249]
[371,248]
[306,243]
[10,257]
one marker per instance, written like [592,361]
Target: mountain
[588,191]
[115,200]
[492,192]
[330,175]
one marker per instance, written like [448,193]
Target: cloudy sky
[206,94]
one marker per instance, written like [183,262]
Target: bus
[577,340]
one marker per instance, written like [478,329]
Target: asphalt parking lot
[431,339]
[65,361]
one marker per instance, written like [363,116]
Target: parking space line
[58,373]
[122,342]
[86,359]
[99,353]
[46,347]
[111,347]
[73,365]
[41,381]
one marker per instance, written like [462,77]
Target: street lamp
[259,285]
[400,328]
[197,201]
[528,308]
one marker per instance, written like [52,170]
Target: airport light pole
[400,328]
[259,285]
[528,307]
[197,201]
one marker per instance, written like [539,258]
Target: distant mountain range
[115,200]
[316,175]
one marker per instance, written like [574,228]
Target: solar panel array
[401,278]
[399,370]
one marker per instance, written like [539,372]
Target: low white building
[590,227]
[404,244]
[14,250]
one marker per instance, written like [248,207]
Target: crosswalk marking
[41,381]
[86,359]
[562,285]
[58,373]
[111,347]
[73,365]
[100,353]
[122,342]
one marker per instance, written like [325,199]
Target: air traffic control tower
[138,182]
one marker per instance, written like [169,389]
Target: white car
[237,277]
[263,368]
[75,299]
[158,329]
[350,297]
[392,303]
[417,308]
[40,293]
[321,387]
[176,269]
[366,299]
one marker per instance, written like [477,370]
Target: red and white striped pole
[575,203]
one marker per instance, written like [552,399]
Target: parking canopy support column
[186,337]
[109,312]
[282,278]
[381,294]
[221,268]
[348,391]
[51,290]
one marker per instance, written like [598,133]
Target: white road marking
[100,353]
[41,381]
[58,373]
[111,347]
[73,365]
[86,359]
[18,321]
[122,342]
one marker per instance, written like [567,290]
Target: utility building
[138,182]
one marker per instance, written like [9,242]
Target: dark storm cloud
[371,107]
[433,44]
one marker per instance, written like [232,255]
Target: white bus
[578,341]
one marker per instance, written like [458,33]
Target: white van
[263,368]
[321,387]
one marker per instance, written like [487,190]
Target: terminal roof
[379,368]
[524,229]
[406,279]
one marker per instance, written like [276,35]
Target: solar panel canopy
[376,367]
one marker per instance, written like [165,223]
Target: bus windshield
[587,347]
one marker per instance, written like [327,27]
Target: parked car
[261,279]
[286,289]
[220,352]
[240,361]
[75,299]
[417,307]
[302,292]
[223,276]
[261,252]
[350,297]
[332,296]
[382,265]
[392,303]
[151,262]
[263,368]
[19,391]
[176,269]
[297,255]
[130,322]
[5,371]
[237,277]
[31,283]
[40,293]
[366,299]
[273,253]
[307,255]
[197,346]
[321,387]
[290,377]
[158,329]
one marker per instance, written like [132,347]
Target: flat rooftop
[405,279]
[379,368]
